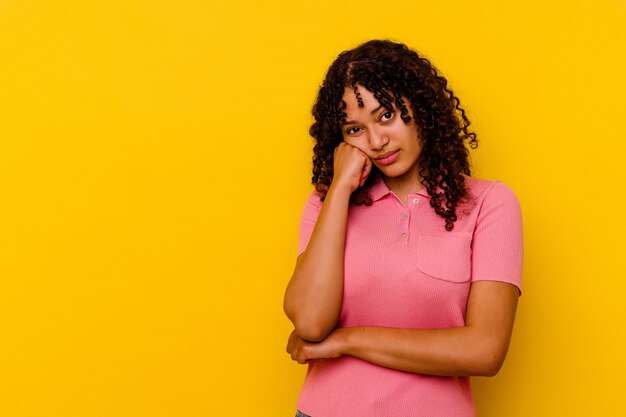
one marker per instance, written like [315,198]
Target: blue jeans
[301,414]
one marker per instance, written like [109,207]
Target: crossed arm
[478,348]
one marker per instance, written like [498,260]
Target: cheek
[359,143]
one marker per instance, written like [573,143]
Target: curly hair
[395,74]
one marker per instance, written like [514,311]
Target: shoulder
[312,205]
[483,191]
[497,232]
[489,199]
[314,199]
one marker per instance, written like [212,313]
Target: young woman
[409,269]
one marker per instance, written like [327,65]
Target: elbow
[309,329]
[311,332]
[485,357]
[489,361]
[490,366]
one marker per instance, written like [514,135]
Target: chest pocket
[446,257]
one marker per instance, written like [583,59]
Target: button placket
[404,226]
[411,210]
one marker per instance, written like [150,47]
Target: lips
[388,158]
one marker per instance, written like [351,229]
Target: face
[382,135]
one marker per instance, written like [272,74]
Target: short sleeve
[310,212]
[497,244]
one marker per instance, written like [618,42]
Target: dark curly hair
[396,74]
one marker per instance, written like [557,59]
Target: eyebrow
[355,122]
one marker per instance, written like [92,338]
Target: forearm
[477,348]
[457,351]
[314,294]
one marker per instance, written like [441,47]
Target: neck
[403,185]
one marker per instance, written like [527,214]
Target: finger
[338,148]
[299,358]
[302,357]
[367,168]
[291,341]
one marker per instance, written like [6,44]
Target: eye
[352,130]
[386,116]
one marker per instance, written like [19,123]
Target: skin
[314,294]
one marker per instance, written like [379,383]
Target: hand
[351,166]
[301,350]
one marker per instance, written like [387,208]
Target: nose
[377,139]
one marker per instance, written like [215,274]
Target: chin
[392,172]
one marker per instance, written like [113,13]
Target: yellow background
[154,160]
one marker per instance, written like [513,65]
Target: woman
[409,270]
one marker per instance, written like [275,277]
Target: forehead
[359,99]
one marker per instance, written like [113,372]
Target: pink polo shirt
[404,270]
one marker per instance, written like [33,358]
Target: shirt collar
[379,189]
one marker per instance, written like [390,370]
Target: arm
[314,293]
[478,348]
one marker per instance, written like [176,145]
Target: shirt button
[416,200]
[403,234]
[405,216]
